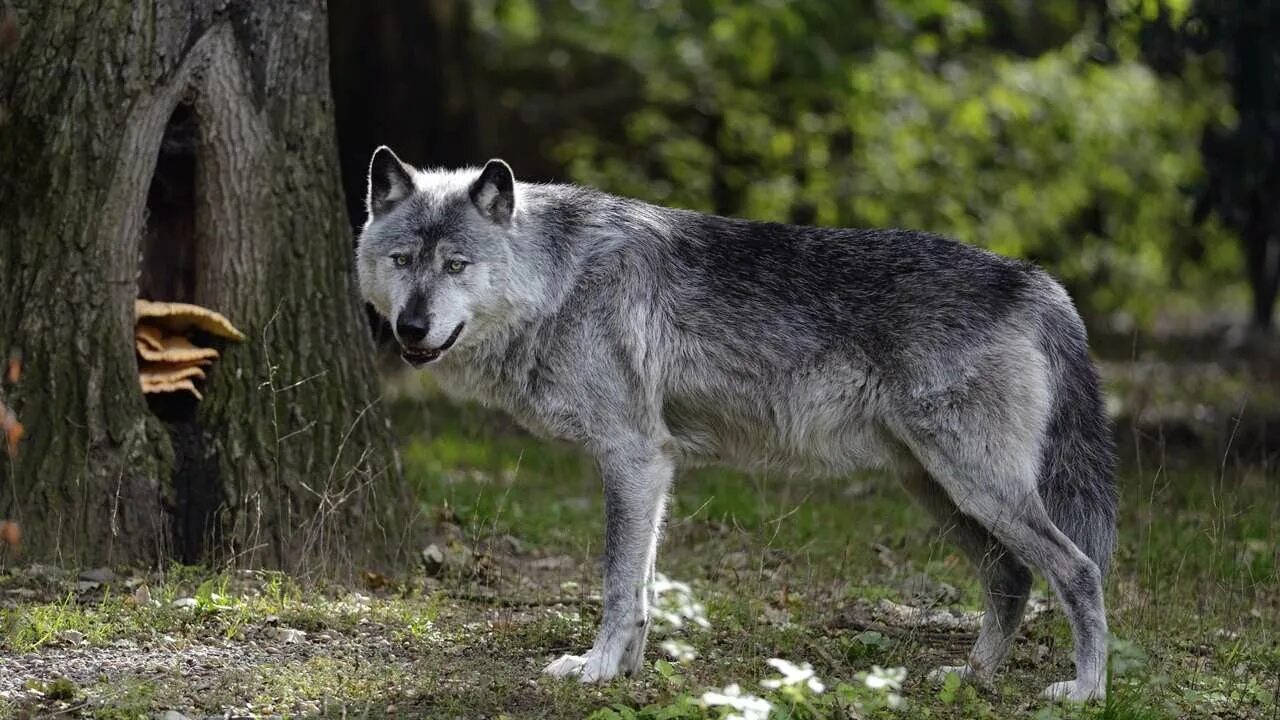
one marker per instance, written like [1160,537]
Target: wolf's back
[1077,472]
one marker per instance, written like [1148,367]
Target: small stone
[48,572]
[186,603]
[513,545]
[99,575]
[290,636]
[461,559]
[553,562]
[886,556]
[87,585]
[171,715]
[778,617]
[858,489]
[922,587]
[73,637]
[433,559]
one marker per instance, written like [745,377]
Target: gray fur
[659,338]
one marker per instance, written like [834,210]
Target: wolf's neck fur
[567,245]
[562,229]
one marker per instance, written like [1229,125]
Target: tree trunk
[184,150]
[1262,253]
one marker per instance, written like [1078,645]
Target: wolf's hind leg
[1006,581]
[1001,496]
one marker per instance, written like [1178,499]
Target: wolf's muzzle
[418,357]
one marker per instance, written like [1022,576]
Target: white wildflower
[793,674]
[679,651]
[663,584]
[750,706]
[880,678]
[674,604]
[888,681]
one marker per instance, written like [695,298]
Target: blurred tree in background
[1242,155]
[1068,132]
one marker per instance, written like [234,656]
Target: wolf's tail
[1077,473]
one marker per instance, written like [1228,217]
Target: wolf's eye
[453,267]
[400,260]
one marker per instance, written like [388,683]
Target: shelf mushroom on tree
[170,360]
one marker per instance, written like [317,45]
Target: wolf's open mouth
[421,356]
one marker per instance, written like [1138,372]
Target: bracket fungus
[164,337]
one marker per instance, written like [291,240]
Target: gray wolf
[659,338]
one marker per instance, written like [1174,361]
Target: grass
[790,568]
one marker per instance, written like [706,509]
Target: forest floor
[843,574]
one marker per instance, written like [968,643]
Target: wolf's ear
[390,181]
[494,192]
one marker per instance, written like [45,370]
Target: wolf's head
[435,254]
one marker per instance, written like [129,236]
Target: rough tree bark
[184,149]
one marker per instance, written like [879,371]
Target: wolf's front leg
[635,492]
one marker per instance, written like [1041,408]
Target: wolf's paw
[965,672]
[1073,691]
[588,668]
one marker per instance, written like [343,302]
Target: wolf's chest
[544,414]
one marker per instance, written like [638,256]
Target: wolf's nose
[411,331]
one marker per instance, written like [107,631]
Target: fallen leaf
[8,31]
[13,430]
[10,533]
[13,435]
[14,371]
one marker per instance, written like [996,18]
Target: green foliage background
[1034,129]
